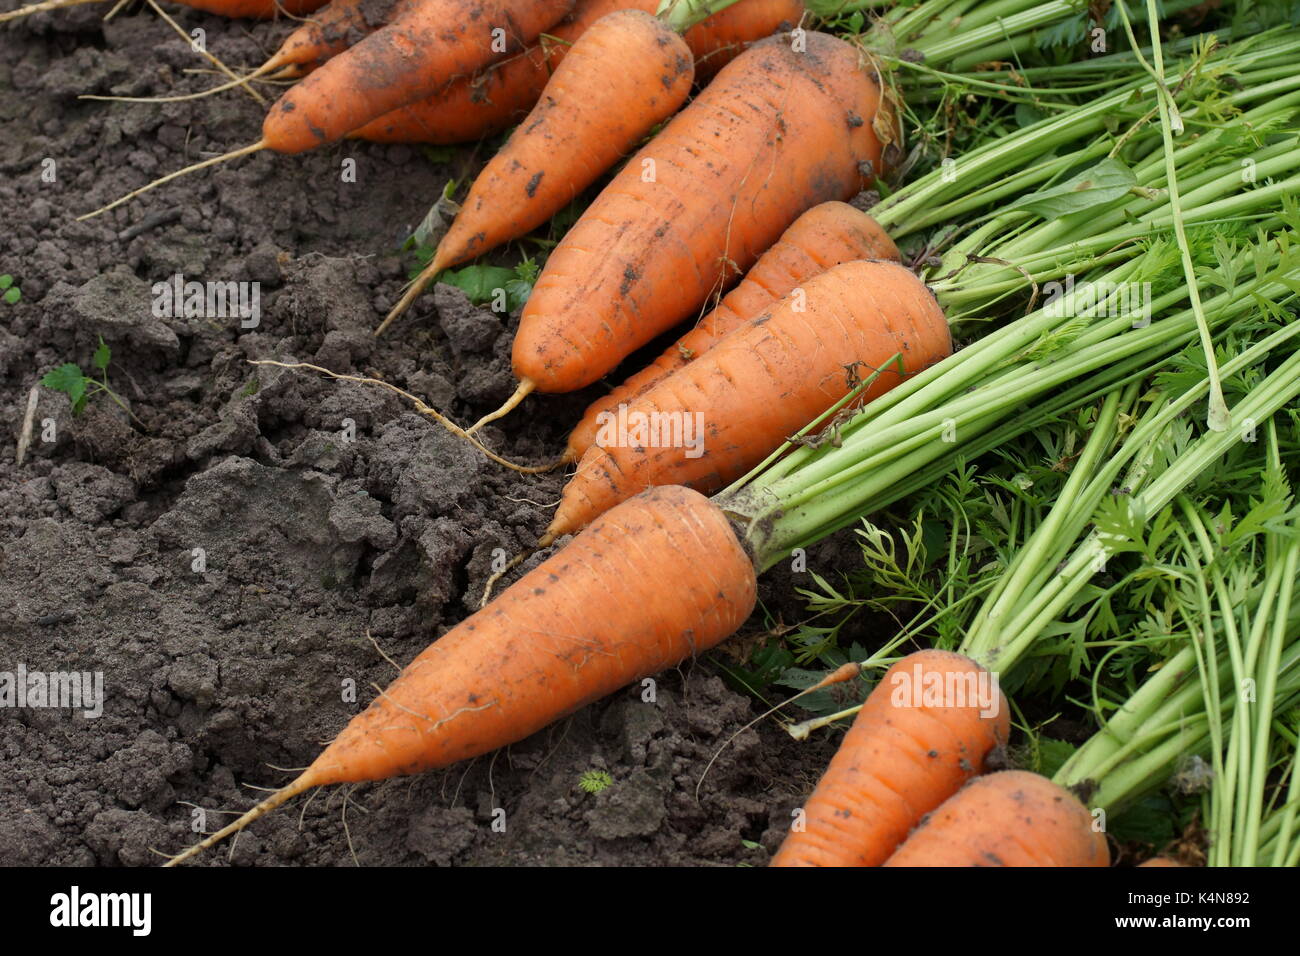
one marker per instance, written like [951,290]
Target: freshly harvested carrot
[653,583]
[625,75]
[428,45]
[729,32]
[776,133]
[715,419]
[336,28]
[498,97]
[1010,818]
[1161,861]
[824,236]
[493,99]
[926,728]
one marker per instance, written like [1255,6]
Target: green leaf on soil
[68,378]
[103,355]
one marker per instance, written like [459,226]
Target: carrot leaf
[1104,183]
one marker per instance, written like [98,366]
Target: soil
[255,542]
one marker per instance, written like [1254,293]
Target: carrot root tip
[275,800]
[523,391]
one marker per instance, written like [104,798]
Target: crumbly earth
[246,554]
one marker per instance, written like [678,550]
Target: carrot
[625,75]
[1010,818]
[926,728]
[429,44]
[715,419]
[498,97]
[336,28]
[777,132]
[1161,861]
[729,32]
[824,236]
[594,617]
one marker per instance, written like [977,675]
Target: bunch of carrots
[735,210]
[561,637]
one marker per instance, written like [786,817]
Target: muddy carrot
[824,236]
[652,584]
[625,75]
[776,133]
[909,749]
[716,418]
[498,97]
[1011,818]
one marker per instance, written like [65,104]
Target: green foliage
[1083,193]
[11,293]
[69,379]
[484,283]
[594,781]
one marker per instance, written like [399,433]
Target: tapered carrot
[327,33]
[655,582]
[331,31]
[1011,818]
[431,43]
[499,97]
[926,728]
[428,45]
[715,419]
[824,236]
[777,132]
[493,99]
[625,75]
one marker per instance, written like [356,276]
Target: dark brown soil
[313,537]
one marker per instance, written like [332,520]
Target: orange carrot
[715,419]
[624,76]
[824,236]
[594,617]
[498,97]
[1161,861]
[927,728]
[1011,818]
[340,25]
[729,32]
[429,44]
[777,132]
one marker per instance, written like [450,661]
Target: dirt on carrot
[394,532]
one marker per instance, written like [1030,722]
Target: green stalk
[1218,415]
